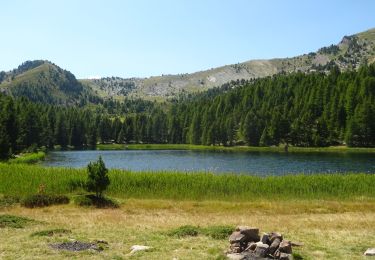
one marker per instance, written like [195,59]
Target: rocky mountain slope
[43,81]
[348,54]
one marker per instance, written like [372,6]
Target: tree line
[300,109]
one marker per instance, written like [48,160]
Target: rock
[261,250]
[251,246]
[235,256]
[284,256]
[266,239]
[236,248]
[101,242]
[274,246]
[236,237]
[275,235]
[285,247]
[370,252]
[137,248]
[251,233]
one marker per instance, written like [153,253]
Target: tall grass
[20,179]
[29,158]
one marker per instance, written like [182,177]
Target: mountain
[348,54]
[43,81]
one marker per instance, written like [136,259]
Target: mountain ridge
[349,53]
[41,80]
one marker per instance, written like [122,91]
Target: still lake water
[256,163]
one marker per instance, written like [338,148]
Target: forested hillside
[44,82]
[300,109]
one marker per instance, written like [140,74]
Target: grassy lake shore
[22,179]
[332,214]
[232,148]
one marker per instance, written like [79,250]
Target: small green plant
[185,231]
[51,232]
[297,256]
[98,179]
[43,200]
[215,232]
[13,221]
[218,232]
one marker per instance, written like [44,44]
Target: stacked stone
[245,243]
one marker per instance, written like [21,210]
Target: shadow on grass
[8,201]
[44,200]
[91,200]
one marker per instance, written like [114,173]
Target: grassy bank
[28,158]
[19,179]
[232,148]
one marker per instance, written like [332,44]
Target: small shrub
[94,201]
[185,231]
[51,232]
[13,221]
[44,200]
[218,232]
[98,179]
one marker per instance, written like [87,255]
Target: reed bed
[29,158]
[22,179]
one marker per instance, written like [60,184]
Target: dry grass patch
[329,229]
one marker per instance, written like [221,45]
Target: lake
[257,163]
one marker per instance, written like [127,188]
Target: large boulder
[275,235]
[285,247]
[251,233]
[237,237]
[274,246]
[261,250]
[284,256]
[266,239]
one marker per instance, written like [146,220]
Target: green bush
[218,232]
[94,201]
[185,231]
[43,200]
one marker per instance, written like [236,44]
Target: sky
[141,38]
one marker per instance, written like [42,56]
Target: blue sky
[143,38]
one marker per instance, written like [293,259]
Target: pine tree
[97,180]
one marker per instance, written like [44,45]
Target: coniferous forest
[299,109]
